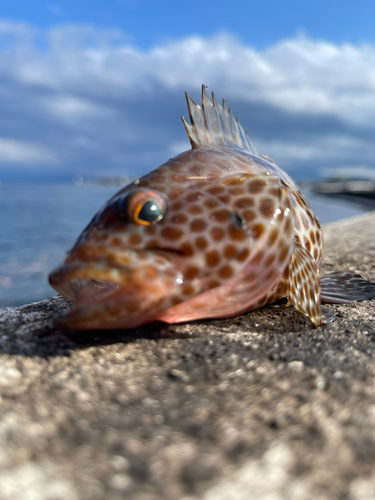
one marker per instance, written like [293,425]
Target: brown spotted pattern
[304,284]
[304,287]
[307,228]
[237,234]
[268,216]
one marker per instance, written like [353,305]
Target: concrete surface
[262,406]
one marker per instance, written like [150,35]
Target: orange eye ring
[149,212]
[143,207]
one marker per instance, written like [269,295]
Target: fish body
[212,233]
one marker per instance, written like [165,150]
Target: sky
[96,87]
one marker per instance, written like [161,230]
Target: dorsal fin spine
[212,119]
[234,128]
[228,130]
[198,121]
[221,117]
[241,133]
[204,104]
[191,133]
[214,124]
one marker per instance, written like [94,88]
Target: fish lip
[97,286]
[82,315]
[78,289]
[89,312]
[67,271]
[101,279]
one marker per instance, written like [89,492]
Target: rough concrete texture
[262,406]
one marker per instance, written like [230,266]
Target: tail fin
[343,287]
[214,124]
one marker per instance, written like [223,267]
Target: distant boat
[81,181]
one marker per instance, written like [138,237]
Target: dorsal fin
[214,124]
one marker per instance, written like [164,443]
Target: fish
[217,231]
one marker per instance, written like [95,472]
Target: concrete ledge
[256,407]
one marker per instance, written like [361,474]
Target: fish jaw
[116,312]
[122,293]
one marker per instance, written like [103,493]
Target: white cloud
[73,108]
[305,100]
[320,149]
[13,151]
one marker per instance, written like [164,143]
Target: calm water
[40,222]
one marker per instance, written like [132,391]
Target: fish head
[145,251]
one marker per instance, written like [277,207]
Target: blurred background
[91,94]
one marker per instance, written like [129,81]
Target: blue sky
[150,22]
[97,87]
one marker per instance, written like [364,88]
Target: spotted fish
[212,233]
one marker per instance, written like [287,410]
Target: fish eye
[148,212]
[142,207]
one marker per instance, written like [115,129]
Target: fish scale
[214,232]
[270,227]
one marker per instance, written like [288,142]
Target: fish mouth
[110,293]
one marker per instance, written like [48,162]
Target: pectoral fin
[304,287]
[340,287]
